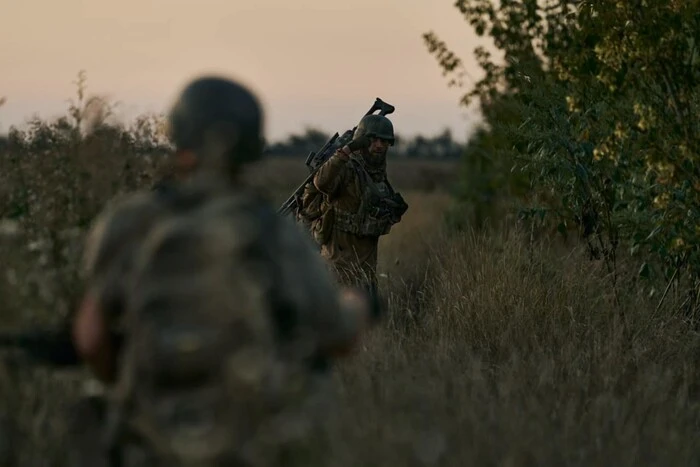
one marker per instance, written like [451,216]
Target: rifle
[316,159]
[54,348]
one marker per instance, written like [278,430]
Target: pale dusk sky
[316,63]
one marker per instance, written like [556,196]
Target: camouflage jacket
[360,201]
[259,264]
[116,236]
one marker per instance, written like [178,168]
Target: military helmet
[377,126]
[215,116]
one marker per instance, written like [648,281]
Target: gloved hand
[397,205]
[398,199]
[361,142]
[359,310]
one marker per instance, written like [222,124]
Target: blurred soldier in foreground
[360,203]
[210,318]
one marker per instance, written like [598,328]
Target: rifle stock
[54,348]
[315,160]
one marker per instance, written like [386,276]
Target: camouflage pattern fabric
[355,216]
[368,220]
[111,246]
[225,311]
[310,213]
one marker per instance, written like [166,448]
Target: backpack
[316,214]
[202,379]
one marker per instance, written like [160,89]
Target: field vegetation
[543,290]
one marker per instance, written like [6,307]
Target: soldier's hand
[361,142]
[396,205]
[357,314]
[401,204]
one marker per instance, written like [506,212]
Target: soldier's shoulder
[234,220]
[123,219]
[250,217]
[355,163]
[237,206]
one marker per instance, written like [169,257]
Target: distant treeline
[94,115]
[144,134]
[439,147]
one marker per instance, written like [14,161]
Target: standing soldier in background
[359,203]
[209,317]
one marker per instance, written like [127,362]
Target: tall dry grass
[495,350]
[515,354]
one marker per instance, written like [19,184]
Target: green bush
[593,104]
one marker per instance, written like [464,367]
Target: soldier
[209,317]
[359,203]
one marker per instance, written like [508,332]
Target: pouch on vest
[316,214]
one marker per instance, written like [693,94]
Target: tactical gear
[379,209]
[372,219]
[375,126]
[359,206]
[218,118]
[312,213]
[316,159]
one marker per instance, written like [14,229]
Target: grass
[507,353]
[496,349]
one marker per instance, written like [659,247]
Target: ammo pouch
[377,212]
[316,214]
[393,207]
[366,225]
[322,228]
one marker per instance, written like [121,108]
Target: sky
[313,63]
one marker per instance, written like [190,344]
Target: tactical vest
[371,219]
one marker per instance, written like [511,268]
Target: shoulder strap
[364,174]
[391,188]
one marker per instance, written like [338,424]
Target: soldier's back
[227,308]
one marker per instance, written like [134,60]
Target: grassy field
[496,350]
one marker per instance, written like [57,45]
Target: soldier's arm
[92,339]
[356,316]
[331,174]
[90,329]
[106,254]
[337,317]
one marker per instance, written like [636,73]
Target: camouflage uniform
[359,205]
[108,257]
[271,272]
[226,319]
